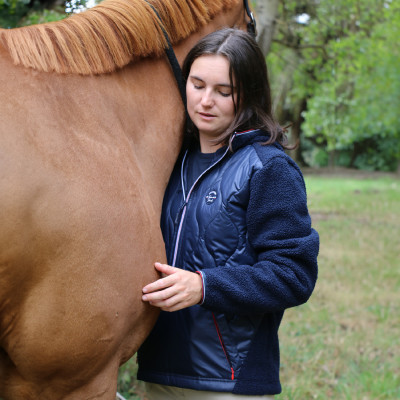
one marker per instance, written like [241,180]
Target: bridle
[251,26]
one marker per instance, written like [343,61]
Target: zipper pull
[233,374]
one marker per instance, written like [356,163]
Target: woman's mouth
[206,115]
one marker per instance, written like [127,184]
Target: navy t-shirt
[198,162]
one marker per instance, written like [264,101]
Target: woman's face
[209,98]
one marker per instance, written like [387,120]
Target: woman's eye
[197,86]
[224,94]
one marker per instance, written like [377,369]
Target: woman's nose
[207,99]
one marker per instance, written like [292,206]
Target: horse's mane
[109,35]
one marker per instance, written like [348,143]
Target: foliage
[359,101]
[42,16]
[16,13]
[343,57]
[12,11]
[344,343]
[128,386]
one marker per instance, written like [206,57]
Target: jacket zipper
[178,236]
[186,200]
[223,347]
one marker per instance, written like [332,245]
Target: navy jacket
[244,225]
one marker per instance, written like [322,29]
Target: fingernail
[144,298]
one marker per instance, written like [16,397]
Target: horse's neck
[156,124]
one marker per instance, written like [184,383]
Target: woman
[237,232]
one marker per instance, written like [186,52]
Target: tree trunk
[332,159]
[283,84]
[266,12]
[296,131]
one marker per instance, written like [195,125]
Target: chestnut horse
[90,127]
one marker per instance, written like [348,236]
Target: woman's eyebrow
[196,78]
[218,84]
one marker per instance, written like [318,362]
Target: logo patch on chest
[211,196]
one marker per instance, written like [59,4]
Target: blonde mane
[108,36]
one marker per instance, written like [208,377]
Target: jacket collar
[241,139]
[244,138]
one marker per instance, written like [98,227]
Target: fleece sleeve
[279,230]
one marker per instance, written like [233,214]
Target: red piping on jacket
[223,346]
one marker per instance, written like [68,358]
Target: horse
[91,125]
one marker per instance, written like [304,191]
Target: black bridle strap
[251,26]
[169,51]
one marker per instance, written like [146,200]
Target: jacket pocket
[224,345]
[235,335]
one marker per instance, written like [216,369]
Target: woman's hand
[176,290]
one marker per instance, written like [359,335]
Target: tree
[359,102]
[15,13]
[330,63]
[266,13]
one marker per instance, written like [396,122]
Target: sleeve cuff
[203,284]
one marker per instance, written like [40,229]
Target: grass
[128,386]
[345,342]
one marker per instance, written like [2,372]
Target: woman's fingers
[162,283]
[178,289]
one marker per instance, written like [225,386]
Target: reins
[169,51]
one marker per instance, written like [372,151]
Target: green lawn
[345,342]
